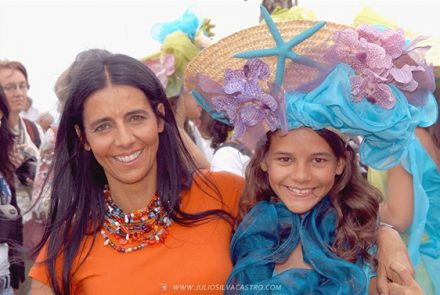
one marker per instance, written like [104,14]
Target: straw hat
[214,59]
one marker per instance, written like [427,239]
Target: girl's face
[122,131]
[301,168]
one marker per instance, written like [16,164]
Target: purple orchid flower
[245,103]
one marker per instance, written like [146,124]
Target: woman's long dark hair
[355,200]
[77,203]
[6,142]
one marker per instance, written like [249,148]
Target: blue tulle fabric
[188,24]
[424,233]
[269,234]
[386,133]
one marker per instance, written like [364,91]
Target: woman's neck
[132,197]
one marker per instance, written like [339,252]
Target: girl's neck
[295,260]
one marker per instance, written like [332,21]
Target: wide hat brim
[213,60]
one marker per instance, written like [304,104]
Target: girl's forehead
[303,140]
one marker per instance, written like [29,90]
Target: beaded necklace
[143,227]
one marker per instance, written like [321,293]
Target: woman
[123,182]
[11,234]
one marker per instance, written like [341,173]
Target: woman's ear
[82,138]
[161,110]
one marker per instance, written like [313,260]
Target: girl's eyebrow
[322,154]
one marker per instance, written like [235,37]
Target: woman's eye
[137,118]
[102,127]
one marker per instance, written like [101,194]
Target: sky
[47,35]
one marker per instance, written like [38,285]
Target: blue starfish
[283,49]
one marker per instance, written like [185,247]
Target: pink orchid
[392,41]
[376,57]
[162,67]
[404,78]
[374,88]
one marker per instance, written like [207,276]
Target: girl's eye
[284,159]
[319,160]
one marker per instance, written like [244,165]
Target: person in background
[228,154]
[14,81]
[11,228]
[45,120]
[412,199]
[29,112]
[181,40]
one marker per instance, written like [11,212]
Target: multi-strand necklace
[139,228]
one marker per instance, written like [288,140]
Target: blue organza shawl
[269,234]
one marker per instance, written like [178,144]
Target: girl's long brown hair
[355,200]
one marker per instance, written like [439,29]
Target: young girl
[315,223]
[316,217]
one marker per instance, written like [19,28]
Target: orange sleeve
[230,186]
[39,270]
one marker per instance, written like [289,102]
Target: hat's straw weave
[213,60]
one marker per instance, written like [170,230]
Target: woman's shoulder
[220,178]
[227,186]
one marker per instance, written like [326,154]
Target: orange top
[192,259]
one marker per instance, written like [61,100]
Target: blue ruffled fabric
[424,233]
[386,133]
[269,234]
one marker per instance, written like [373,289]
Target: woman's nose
[124,136]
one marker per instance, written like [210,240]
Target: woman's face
[301,168]
[122,131]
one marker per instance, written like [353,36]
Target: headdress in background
[181,40]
